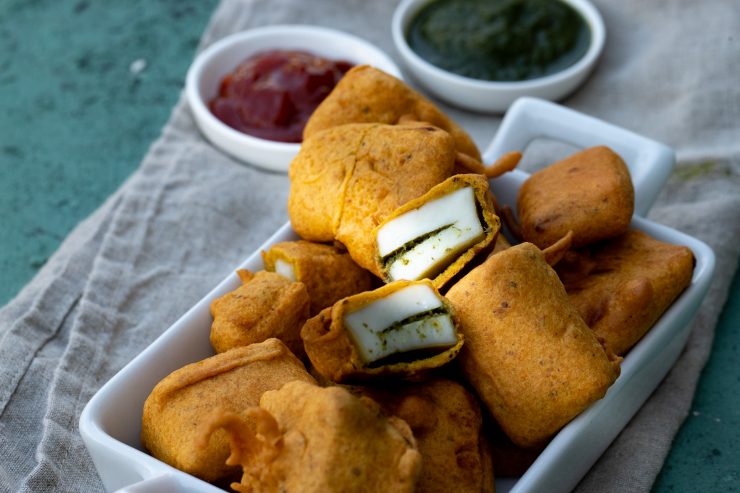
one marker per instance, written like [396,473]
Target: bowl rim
[195,74]
[407,8]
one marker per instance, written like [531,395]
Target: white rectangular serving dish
[110,424]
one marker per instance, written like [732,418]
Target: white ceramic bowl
[110,424]
[222,57]
[495,97]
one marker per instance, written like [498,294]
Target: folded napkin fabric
[190,214]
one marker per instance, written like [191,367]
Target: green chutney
[499,40]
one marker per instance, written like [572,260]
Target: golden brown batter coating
[368,95]
[328,273]
[318,178]
[347,179]
[395,165]
[589,193]
[233,381]
[323,440]
[340,356]
[266,305]
[446,422]
[623,285]
[532,360]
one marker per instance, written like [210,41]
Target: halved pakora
[622,286]
[328,274]
[532,360]
[323,440]
[233,381]
[589,193]
[266,305]
[437,234]
[401,329]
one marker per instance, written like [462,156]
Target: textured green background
[75,121]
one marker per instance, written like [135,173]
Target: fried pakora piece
[323,440]
[328,273]
[446,421]
[347,179]
[622,286]
[233,381]
[437,234]
[402,329]
[589,193]
[318,178]
[368,95]
[266,305]
[532,360]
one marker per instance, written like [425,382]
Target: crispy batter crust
[234,381]
[529,355]
[622,286]
[318,178]
[314,439]
[366,95]
[447,425]
[266,305]
[589,193]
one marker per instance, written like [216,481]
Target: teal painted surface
[706,453]
[85,88]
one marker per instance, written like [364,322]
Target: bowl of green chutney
[482,55]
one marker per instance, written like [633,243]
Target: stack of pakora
[402,343]
[619,279]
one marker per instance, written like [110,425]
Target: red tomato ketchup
[271,94]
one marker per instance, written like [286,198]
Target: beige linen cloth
[190,214]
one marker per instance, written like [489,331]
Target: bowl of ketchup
[251,93]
